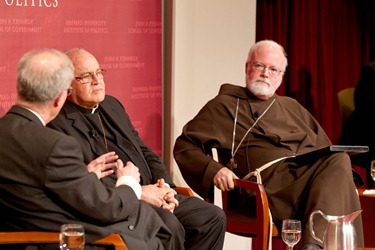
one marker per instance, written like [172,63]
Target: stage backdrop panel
[124,35]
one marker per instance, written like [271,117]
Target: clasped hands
[159,195]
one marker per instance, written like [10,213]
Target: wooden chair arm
[240,223]
[261,203]
[262,207]
[28,237]
[53,237]
[184,191]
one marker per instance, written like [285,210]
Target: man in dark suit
[44,180]
[100,123]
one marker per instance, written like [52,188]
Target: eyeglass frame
[273,71]
[84,76]
[69,91]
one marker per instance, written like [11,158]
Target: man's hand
[129,169]
[102,166]
[223,179]
[160,196]
[170,201]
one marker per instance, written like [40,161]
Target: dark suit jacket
[72,122]
[44,183]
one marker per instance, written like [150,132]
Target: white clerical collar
[94,108]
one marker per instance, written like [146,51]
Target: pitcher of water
[339,232]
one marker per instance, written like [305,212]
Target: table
[368,217]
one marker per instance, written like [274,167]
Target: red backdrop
[124,35]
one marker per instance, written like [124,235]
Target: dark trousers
[198,224]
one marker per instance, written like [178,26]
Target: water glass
[72,237]
[373,169]
[291,232]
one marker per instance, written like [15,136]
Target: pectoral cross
[232,164]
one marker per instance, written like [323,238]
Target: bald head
[88,87]
[79,56]
[268,45]
[43,74]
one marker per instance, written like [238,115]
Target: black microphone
[256,114]
[93,133]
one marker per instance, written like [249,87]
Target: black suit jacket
[72,122]
[44,183]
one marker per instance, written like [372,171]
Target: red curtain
[327,43]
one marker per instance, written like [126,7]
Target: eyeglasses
[273,71]
[89,77]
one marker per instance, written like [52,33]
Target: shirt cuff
[131,182]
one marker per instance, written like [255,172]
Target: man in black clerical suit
[44,180]
[100,123]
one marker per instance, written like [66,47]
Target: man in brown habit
[251,126]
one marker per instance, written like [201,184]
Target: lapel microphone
[93,133]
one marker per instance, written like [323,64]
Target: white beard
[262,86]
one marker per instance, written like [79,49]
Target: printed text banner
[124,35]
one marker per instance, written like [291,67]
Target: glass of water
[72,237]
[373,169]
[291,232]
